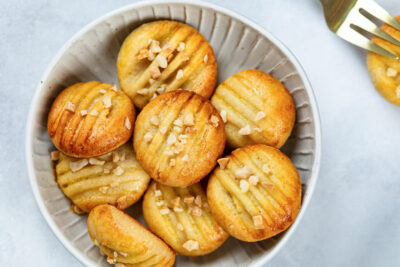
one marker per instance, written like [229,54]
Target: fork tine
[377,11]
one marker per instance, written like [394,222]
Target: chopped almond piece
[214,121]
[154,72]
[188,119]
[188,199]
[161,61]
[155,46]
[171,139]
[151,81]
[128,124]
[260,115]
[154,120]
[223,115]
[179,226]
[161,89]
[94,112]
[265,168]
[197,200]
[191,245]
[115,156]
[196,211]
[205,59]
[151,56]
[103,189]
[177,209]
[258,222]
[223,162]
[245,130]
[253,179]
[111,260]
[77,165]
[102,91]
[178,122]
[243,173]
[167,48]
[164,211]
[391,72]
[83,112]
[185,158]
[179,74]
[244,186]
[172,162]
[148,137]
[177,129]
[121,202]
[159,203]
[118,171]
[70,106]
[256,129]
[157,193]
[114,88]
[94,161]
[55,155]
[107,101]
[176,201]
[163,130]
[144,91]
[143,53]
[181,47]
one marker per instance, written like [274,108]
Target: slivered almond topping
[188,119]
[154,72]
[103,189]
[75,209]
[256,129]
[154,120]
[176,201]
[148,137]
[188,199]
[164,211]
[114,184]
[197,201]
[94,161]
[77,165]
[102,91]
[171,139]
[144,91]
[243,173]
[167,48]
[151,81]
[121,202]
[70,106]
[151,56]
[118,171]
[253,179]
[179,226]
[94,112]
[161,89]
[163,130]
[191,245]
[185,158]
[106,170]
[245,130]
[154,96]
[258,222]
[260,115]
[115,156]
[161,61]
[172,162]
[398,91]
[244,186]
[114,88]
[155,46]
[223,162]
[205,59]
[157,193]
[159,203]
[83,112]
[181,47]
[179,74]
[265,168]
[223,115]
[143,53]
[55,155]
[391,72]
[177,209]
[214,121]
[128,124]
[196,211]
[178,122]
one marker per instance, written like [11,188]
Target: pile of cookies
[207,169]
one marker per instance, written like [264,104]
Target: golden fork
[347,17]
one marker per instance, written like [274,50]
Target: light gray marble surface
[353,218]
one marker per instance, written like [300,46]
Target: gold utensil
[347,18]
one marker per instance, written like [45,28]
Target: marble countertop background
[353,218]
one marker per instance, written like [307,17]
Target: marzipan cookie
[90,119]
[162,56]
[181,217]
[256,108]
[385,71]
[124,241]
[255,193]
[115,178]
[178,138]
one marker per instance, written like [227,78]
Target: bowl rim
[36,101]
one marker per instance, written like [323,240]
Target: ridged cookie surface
[256,108]
[385,71]
[90,119]
[115,178]
[125,241]
[162,56]
[255,193]
[181,217]
[178,138]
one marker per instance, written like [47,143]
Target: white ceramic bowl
[238,44]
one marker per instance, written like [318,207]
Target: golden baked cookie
[385,71]
[256,108]
[115,178]
[90,119]
[125,241]
[178,138]
[255,193]
[162,56]
[182,218]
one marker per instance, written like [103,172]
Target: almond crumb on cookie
[258,222]
[164,211]
[94,112]
[70,106]
[243,173]
[181,47]
[223,162]
[77,165]
[118,171]
[94,161]
[214,121]
[205,59]
[121,202]
[83,112]
[260,115]
[223,115]
[128,124]
[179,74]
[188,199]
[390,72]
[253,179]
[154,120]
[191,245]
[148,137]
[161,61]
[245,130]
[244,186]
